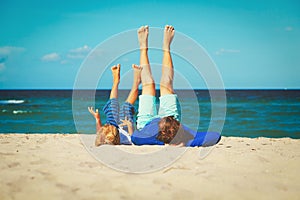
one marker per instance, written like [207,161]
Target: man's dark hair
[171,131]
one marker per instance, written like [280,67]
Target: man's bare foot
[137,70]
[168,37]
[143,36]
[115,70]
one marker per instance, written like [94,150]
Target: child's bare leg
[166,83]
[115,70]
[133,94]
[146,74]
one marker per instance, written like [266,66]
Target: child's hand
[94,113]
[127,123]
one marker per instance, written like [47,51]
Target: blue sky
[255,44]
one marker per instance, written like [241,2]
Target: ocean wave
[11,101]
[21,112]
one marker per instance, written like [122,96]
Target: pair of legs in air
[168,109]
[166,84]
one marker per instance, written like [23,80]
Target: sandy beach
[58,166]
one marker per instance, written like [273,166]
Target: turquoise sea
[249,113]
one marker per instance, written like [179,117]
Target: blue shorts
[147,108]
[114,114]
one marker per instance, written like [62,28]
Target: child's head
[171,132]
[108,134]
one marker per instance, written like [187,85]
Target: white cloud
[226,51]
[84,49]
[288,28]
[7,50]
[64,62]
[2,67]
[79,53]
[51,57]
[75,56]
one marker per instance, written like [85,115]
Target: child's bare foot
[115,70]
[136,74]
[168,37]
[143,36]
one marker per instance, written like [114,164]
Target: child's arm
[96,116]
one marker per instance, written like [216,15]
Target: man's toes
[141,29]
[170,28]
[146,28]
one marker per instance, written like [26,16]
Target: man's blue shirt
[147,136]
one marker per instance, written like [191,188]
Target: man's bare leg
[115,70]
[166,83]
[133,94]
[146,74]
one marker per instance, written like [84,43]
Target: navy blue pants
[114,114]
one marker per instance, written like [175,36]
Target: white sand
[55,166]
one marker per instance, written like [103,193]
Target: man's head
[171,132]
[108,134]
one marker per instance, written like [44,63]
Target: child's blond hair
[108,134]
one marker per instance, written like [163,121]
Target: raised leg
[166,82]
[116,80]
[133,94]
[146,74]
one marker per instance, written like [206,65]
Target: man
[163,127]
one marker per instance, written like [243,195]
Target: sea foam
[11,101]
[21,112]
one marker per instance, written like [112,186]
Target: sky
[254,44]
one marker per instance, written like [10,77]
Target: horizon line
[3,89]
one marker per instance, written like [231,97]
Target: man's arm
[204,139]
[97,117]
[147,136]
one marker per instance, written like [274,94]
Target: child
[112,132]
